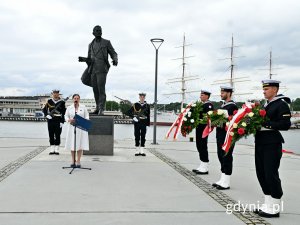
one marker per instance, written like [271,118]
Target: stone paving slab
[124,189]
[120,189]
[244,185]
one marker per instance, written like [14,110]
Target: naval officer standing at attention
[201,143]
[225,159]
[140,114]
[268,147]
[54,110]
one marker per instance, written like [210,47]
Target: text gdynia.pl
[243,207]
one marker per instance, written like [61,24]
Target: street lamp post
[156,43]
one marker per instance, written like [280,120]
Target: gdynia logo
[244,207]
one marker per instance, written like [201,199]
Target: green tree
[125,106]
[173,106]
[295,105]
[112,106]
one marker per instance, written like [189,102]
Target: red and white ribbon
[178,122]
[235,120]
[208,129]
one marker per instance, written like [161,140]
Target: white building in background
[31,106]
[90,104]
[27,106]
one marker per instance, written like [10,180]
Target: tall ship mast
[232,80]
[184,78]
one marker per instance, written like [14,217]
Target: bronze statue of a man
[98,67]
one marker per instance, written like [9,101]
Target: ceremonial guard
[54,110]
[225,158]
[268,148]
[140,114]
[201,143]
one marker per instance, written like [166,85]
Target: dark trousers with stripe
[140,129]
[201,144]
[267,162]
[54,132]
[226,159]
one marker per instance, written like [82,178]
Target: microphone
[75,104]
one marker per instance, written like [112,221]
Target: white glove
[135,119]
[61,125]
[49,117]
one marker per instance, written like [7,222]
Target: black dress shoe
[56,153]
[215,185]
[137,154]
[219,187]
[73,165]
[199,172]
[256,211]
[142,154]
[268,215]
[51,153]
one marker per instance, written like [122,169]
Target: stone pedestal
[101,136]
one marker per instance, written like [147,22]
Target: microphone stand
[74,161]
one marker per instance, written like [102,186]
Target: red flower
[257,104]
[241,131]
[247,110]
[190,128]
[229,118]
[235,112]
[262,112]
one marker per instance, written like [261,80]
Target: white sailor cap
[268,83]
[206,92]
[226,88]
[55,91]
[142,94]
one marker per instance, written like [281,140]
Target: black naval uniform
[142,112]
[56,109]
[201,143]
[268,145]
[225,160]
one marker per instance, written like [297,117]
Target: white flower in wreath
[231,133]
[184,119]
[244,124]
[250,114]
[235,125]
[193,105]
[192,120]
[210,112]
[220,111]
[227,124]
[182,110]
[189,114]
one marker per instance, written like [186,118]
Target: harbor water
[38,130]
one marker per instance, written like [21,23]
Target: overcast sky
[41,39]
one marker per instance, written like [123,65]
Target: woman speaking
[82,138]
